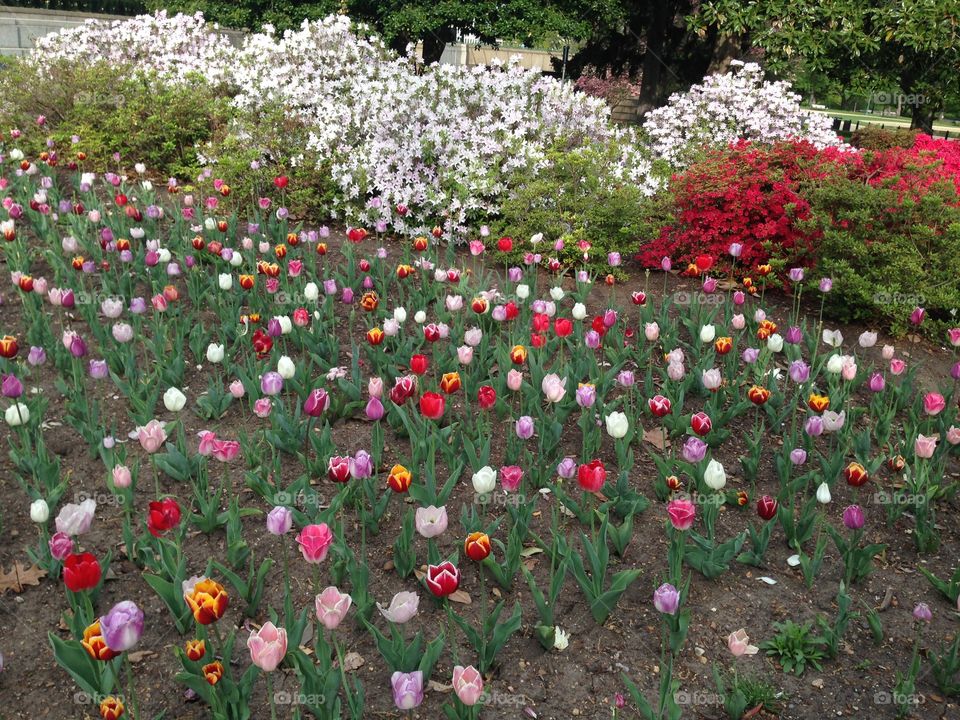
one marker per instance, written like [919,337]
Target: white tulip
[420,317]
[484,480]
[310,291]
[556,293]
[835,364]
[174,400]
[286,368]
[560,639]
[400,315]
[579,311]
[214,353]
[715,476]
[286,324]
[236,260]
[39,511]
[523,291]
[225,281]
[823,494]
[164,255]
[617,425]
[775,343]
[708,333]
[17,414]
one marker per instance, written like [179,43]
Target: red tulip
[419,364]
[505,244]
[281,181]
[704,262]
[443,579]
[356,235]
[538,340]
[431,332]
[562,327]
[540,323]
[81,571]
[639,298]
[432,405]
[486,397]
[511,310]
[592,476]
[659,406]
[338,469]
[162,516]
[701,423]
[403,389]
[766,507]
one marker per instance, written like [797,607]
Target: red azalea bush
[759,196]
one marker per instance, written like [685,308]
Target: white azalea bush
[739,105]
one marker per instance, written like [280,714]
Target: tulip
[285,367]
[739,644]
[443,579]
[374,409]
[813,426]
[361,465]
[11,387]
[315,542]
[152,436]
[525,427]
[853,517]
[431,521]
[215,353]
[924,446]
[701,423]
[477,546]
[567,468]
[617,425]
[767,507]
[953,435]
[651,331]
[271,383]
[707,333]
[694,450]
[174,400]
[666,599]
[833,338]
[934,403]
[591,476]
[922,612]
[332,606]
[61,545]
[39,511]
[162,515]
[81,571]
[75,519]
[403,606]
[279,520]
[682,513]
[712,379]
[17,414]
[586,395]
[317,401]
[856,474]
[823,494]
[122,477]
[510,477]
[714,476]
[432,405]
[111,708]
[553,387]
[122,627]
[484,480]
[407,689]
[468,684]
[798,456]
[399,479]
[267,646]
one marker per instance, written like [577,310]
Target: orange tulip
[818,403]
[518,355]
[758,395]
[375,336]
[246,281]
[450,382]
[399,479]
[195,649]
[477,546]
[213,672]
[111,708]
[723,345]
[369,301]
[95,645]
[208,601]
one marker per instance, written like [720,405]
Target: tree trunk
[434,43]
[651,78]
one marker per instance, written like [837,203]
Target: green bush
[888,254]
[572,200]
[870,137]
[112,110]
[255,147]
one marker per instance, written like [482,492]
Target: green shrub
[572,200]
[112,110]
[870,137]
[255,147]
[887,254]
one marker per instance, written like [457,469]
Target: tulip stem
[286,569]
[131,692]
[483,616]
[270,697]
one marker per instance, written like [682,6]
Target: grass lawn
[888,121]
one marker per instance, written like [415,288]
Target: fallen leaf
[439,687]
[527,552]
[793,560]
[353,661]
[656,437]
[461,596]
[767,580]
[139,655]
[20,576]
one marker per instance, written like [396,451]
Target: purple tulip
[361,465]
[499,313]
[853,517]
[750,355]
[78,348]
[138,306]
[799,371]
[826,285]
[694,450]
[330,287]
[796,275]
[61,545]
[666,599]
[666,264]
[793,336]
[11,387]
[271,383]
[514,274]
[613,259]
[586,396]
[798,456]
[317,401]
[279,520]
[37,356]
[525,427]
[955,371]
[347,297]
[592,339]
[922,612]
[876,383]
[567,468]
[626,378]
[122,626]
[274,328]
[814,426]
[99,369]
[407,689]
[374,409]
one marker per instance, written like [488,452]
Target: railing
[847,126]
[105,7]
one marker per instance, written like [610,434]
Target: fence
[845,127]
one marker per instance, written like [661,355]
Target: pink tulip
[953,435]
[375,387]
[514,380]
[267,646]
[262,407]
[553,387]
[739,643]
[237,390]
[887,352]
[468,684]
[208,443]
[431,521]
[315,542]
[924,446]
[651,331]
[226,450]
[953,335]
[332,606]
[76,518]
[897,366]
[61,545]
[510,477]
[152,436]
[122,477]
[933,403]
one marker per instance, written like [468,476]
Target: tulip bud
[39,511]
[823,494]
[174,400]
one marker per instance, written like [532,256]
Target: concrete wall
[20,27]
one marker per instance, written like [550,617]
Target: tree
[912,44]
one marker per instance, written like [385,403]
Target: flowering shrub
[608,86]
[737,106]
